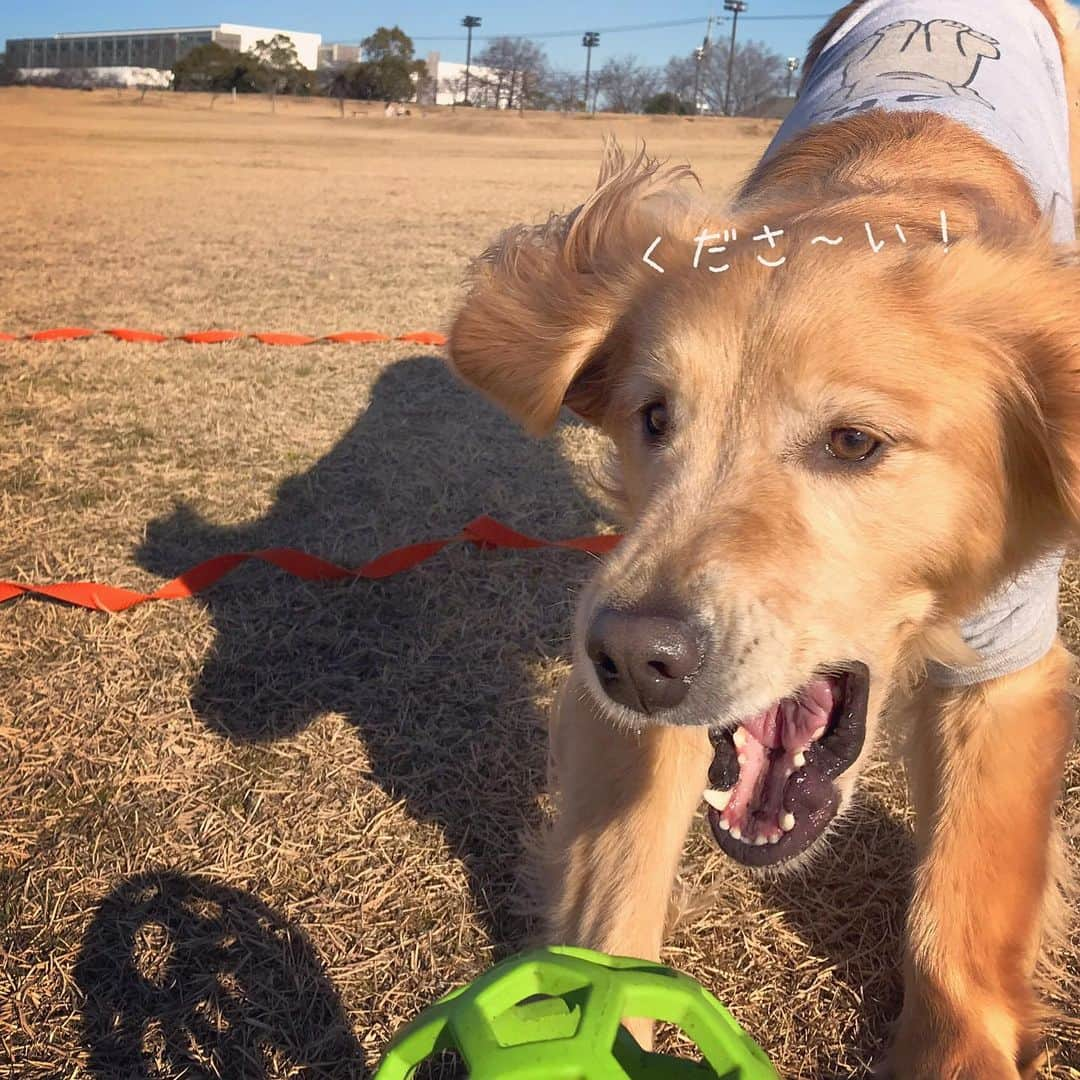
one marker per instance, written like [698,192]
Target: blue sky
[427,20]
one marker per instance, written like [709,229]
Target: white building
[108,52]
[307,45]
[447,78]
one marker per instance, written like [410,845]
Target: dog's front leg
[625,804]
[987,768]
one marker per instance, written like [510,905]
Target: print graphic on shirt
[912,60]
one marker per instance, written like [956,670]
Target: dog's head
[824,463]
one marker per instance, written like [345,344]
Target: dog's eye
[852,444]
[655,418]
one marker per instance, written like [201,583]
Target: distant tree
[679,77]
[531,92]
[388,42]
[625,84]
[371,82]
[483,91]
[389,80]
[216,70]
[278,53]
[667,102]
[563,90]
[279,68]
[334,82]
[756,74]
[518,67]
[388,71]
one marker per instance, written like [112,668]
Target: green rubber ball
[555,1014]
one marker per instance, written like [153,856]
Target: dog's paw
[958,1060]
[987,1040]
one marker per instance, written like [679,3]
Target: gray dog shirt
[995,66]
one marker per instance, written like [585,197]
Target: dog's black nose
[644,662]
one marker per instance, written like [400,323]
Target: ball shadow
[181,975]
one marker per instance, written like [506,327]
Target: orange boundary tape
[61,333]
[483,532]
[216,337]
[357,337]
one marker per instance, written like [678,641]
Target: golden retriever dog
[830,457]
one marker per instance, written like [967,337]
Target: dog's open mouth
[771,791]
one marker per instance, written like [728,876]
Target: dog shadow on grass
[432,666]
[849,909]
[183,976]
[438,667]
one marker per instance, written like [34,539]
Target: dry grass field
[248,835]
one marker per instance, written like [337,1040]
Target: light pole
[736,7]
[699,57]
[470,22]
[590,40]
[792,67]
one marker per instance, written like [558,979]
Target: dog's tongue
[770,749]
[792,724]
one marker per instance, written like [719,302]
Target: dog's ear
[1049,318]
[537,329]
[1025,303]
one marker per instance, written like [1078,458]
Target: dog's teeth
[739,738]
[736,833]
[799,760]
[787,822]
[742,759]
[760,841]
[775,838]
[724,824]
[718,800]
